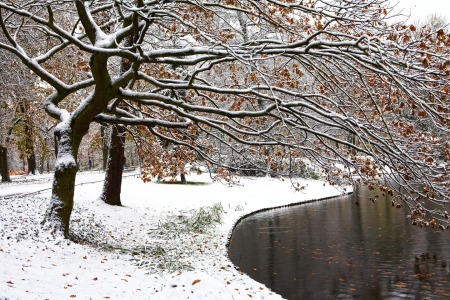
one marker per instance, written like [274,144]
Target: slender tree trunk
[104,147]
[90,161]
[4,170]
[29,145]
[183,178]
[112,186]
[61,203]
[31,161]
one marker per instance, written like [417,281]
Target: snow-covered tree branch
[330,82]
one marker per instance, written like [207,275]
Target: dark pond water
[337,249]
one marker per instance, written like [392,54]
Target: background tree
[112,186]
[242,85]
[7,123]
[20,119]
[26,142]
[434,22]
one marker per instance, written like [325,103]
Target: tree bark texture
[61,203]
[4,170]
[112,186]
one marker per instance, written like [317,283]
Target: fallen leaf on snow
[196,281]
[73,296]
[9,282]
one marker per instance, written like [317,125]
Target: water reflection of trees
[365,251]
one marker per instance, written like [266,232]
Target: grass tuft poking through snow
[195,220]
[157,258]
[87,229]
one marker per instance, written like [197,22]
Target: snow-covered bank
[140,241]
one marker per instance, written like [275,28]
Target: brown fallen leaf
[196,281]
[73,296]
[9,282]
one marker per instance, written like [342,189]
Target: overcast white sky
[420,9]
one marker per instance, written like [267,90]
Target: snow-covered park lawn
[135,251]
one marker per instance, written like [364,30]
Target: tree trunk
[4,170]
[112,186]
[31,161]
[90,163]
[29,145]
[183,178]
[104,147]
[61,203]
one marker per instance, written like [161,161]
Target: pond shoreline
[230,236]
[300,254]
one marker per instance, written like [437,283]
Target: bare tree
[436,22]
[19,117]
[112,186]
[298,77]
[7,124]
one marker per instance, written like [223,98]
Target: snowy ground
[134,251]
